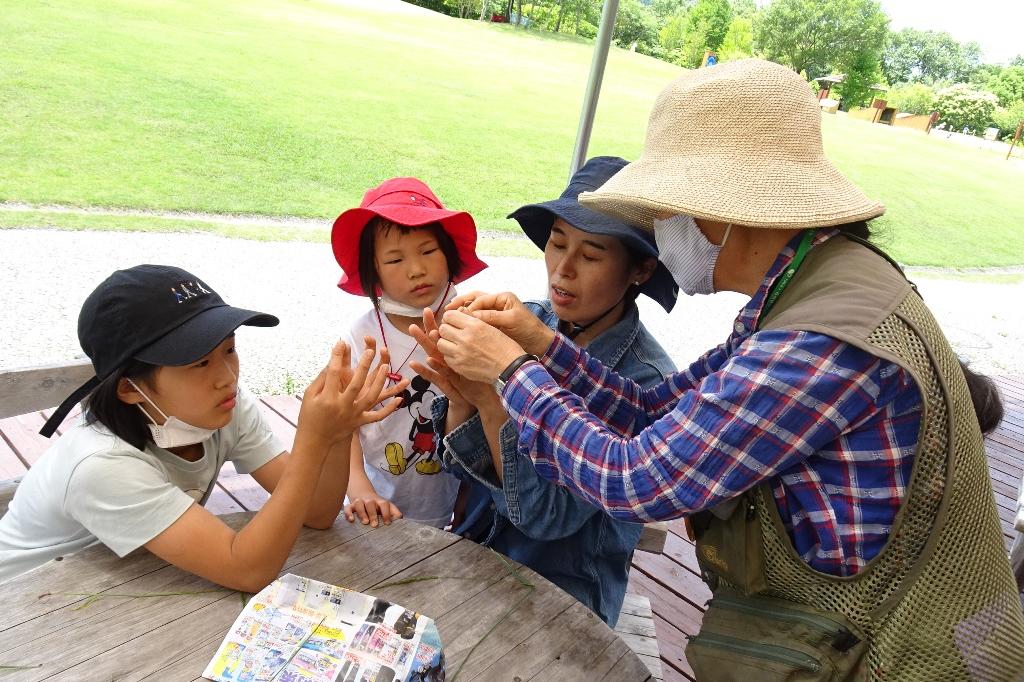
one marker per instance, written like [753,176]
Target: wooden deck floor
[670,580]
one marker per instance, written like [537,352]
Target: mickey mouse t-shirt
[399,455]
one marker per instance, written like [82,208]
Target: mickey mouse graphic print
[400,452]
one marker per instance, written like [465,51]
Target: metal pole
[601,45]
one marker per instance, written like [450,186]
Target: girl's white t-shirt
[90,486]
[399,453]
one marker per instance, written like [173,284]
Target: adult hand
[340,399]
[457,388]
[475,349]
[369,508]
[507,313]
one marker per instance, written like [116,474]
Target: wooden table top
[52,627]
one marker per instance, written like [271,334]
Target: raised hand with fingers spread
[339,400]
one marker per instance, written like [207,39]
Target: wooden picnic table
[50,621]
[670,579]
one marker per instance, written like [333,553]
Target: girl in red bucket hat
[405,251]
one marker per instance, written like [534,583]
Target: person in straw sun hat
[740,143]
[827,455]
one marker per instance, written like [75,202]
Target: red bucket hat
[404,201]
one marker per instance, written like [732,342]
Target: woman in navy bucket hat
[596,268]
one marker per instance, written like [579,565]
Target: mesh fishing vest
[939,601]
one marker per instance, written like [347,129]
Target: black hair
[125,421]
[368,276]
[637,259]
[859,229]
[988,405]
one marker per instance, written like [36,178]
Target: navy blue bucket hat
[537,219]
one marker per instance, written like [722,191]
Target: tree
[984,73]
[961,106]
[966,62]
[666,9]
[709,22]
[744,8]
[862,73]
[1007,85]
[704,27]
[673,34]
[928,56]
[578,16]
[819,37]
[1009,118]
[739,41]
[636,26]
[913,98]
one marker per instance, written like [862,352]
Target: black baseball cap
[158,314]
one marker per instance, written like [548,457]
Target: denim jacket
[539,523]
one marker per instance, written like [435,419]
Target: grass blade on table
[93,597]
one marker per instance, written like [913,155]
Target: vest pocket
[755,639]
[730,545]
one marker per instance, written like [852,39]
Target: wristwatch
[507,373]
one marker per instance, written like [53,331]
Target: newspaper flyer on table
[302,630]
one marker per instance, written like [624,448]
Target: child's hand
[459,407]
[339,400]
[459,390]
[428,335]
[440,375]
[369,508]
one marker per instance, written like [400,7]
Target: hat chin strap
[50,427]
[577,329]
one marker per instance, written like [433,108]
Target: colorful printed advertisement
[302,630]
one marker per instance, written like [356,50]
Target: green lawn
[295,107]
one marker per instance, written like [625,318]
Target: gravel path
[47,275]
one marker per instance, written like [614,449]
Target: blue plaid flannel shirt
[832,427]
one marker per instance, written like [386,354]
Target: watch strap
[507,373]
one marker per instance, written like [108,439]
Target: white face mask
[392,307]
[687,253]
[173,433]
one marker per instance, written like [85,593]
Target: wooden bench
[636,628]
[31,389]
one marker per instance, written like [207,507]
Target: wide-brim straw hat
[736,143]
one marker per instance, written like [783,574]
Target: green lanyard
[783,280]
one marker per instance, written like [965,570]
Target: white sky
[997,25]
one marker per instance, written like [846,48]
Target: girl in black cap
[162,415]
